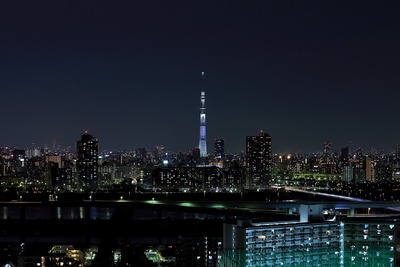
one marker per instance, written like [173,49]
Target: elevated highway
[222,208]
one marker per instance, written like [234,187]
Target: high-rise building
[3,166]
[327,163]
[371,241]
[344,155]
[348,173]
[87,161]
[202,141]
[219,146]
[327,148]
[282,243]
[397,151]
[317,239]
[258,161]
[369,169]
[359,154]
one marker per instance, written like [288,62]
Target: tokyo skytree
[202,141]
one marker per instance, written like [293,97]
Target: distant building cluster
[85,168]
[88,169]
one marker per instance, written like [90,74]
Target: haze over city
[130,73]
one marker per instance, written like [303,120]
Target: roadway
[328,201]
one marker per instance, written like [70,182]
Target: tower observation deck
[202,141]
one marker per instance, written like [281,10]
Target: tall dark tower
[87,152]
[202,141]
[219,148]
[258,161]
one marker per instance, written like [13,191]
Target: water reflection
[94,213]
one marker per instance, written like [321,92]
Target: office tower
[326,164]
[33,152]
[348,173]
[369,169]
[258,161]
[87,153]
[327,148]
[202,141]
[219,145]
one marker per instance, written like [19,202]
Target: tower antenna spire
[202,141]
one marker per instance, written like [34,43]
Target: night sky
[129,72]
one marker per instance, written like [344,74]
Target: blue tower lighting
[202,141]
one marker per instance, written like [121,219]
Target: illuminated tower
[202,141]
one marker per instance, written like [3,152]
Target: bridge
[217,208]
[156,207]
[80,220]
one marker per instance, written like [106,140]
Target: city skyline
[130,73]
[214,149]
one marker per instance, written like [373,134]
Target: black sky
[129,72]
